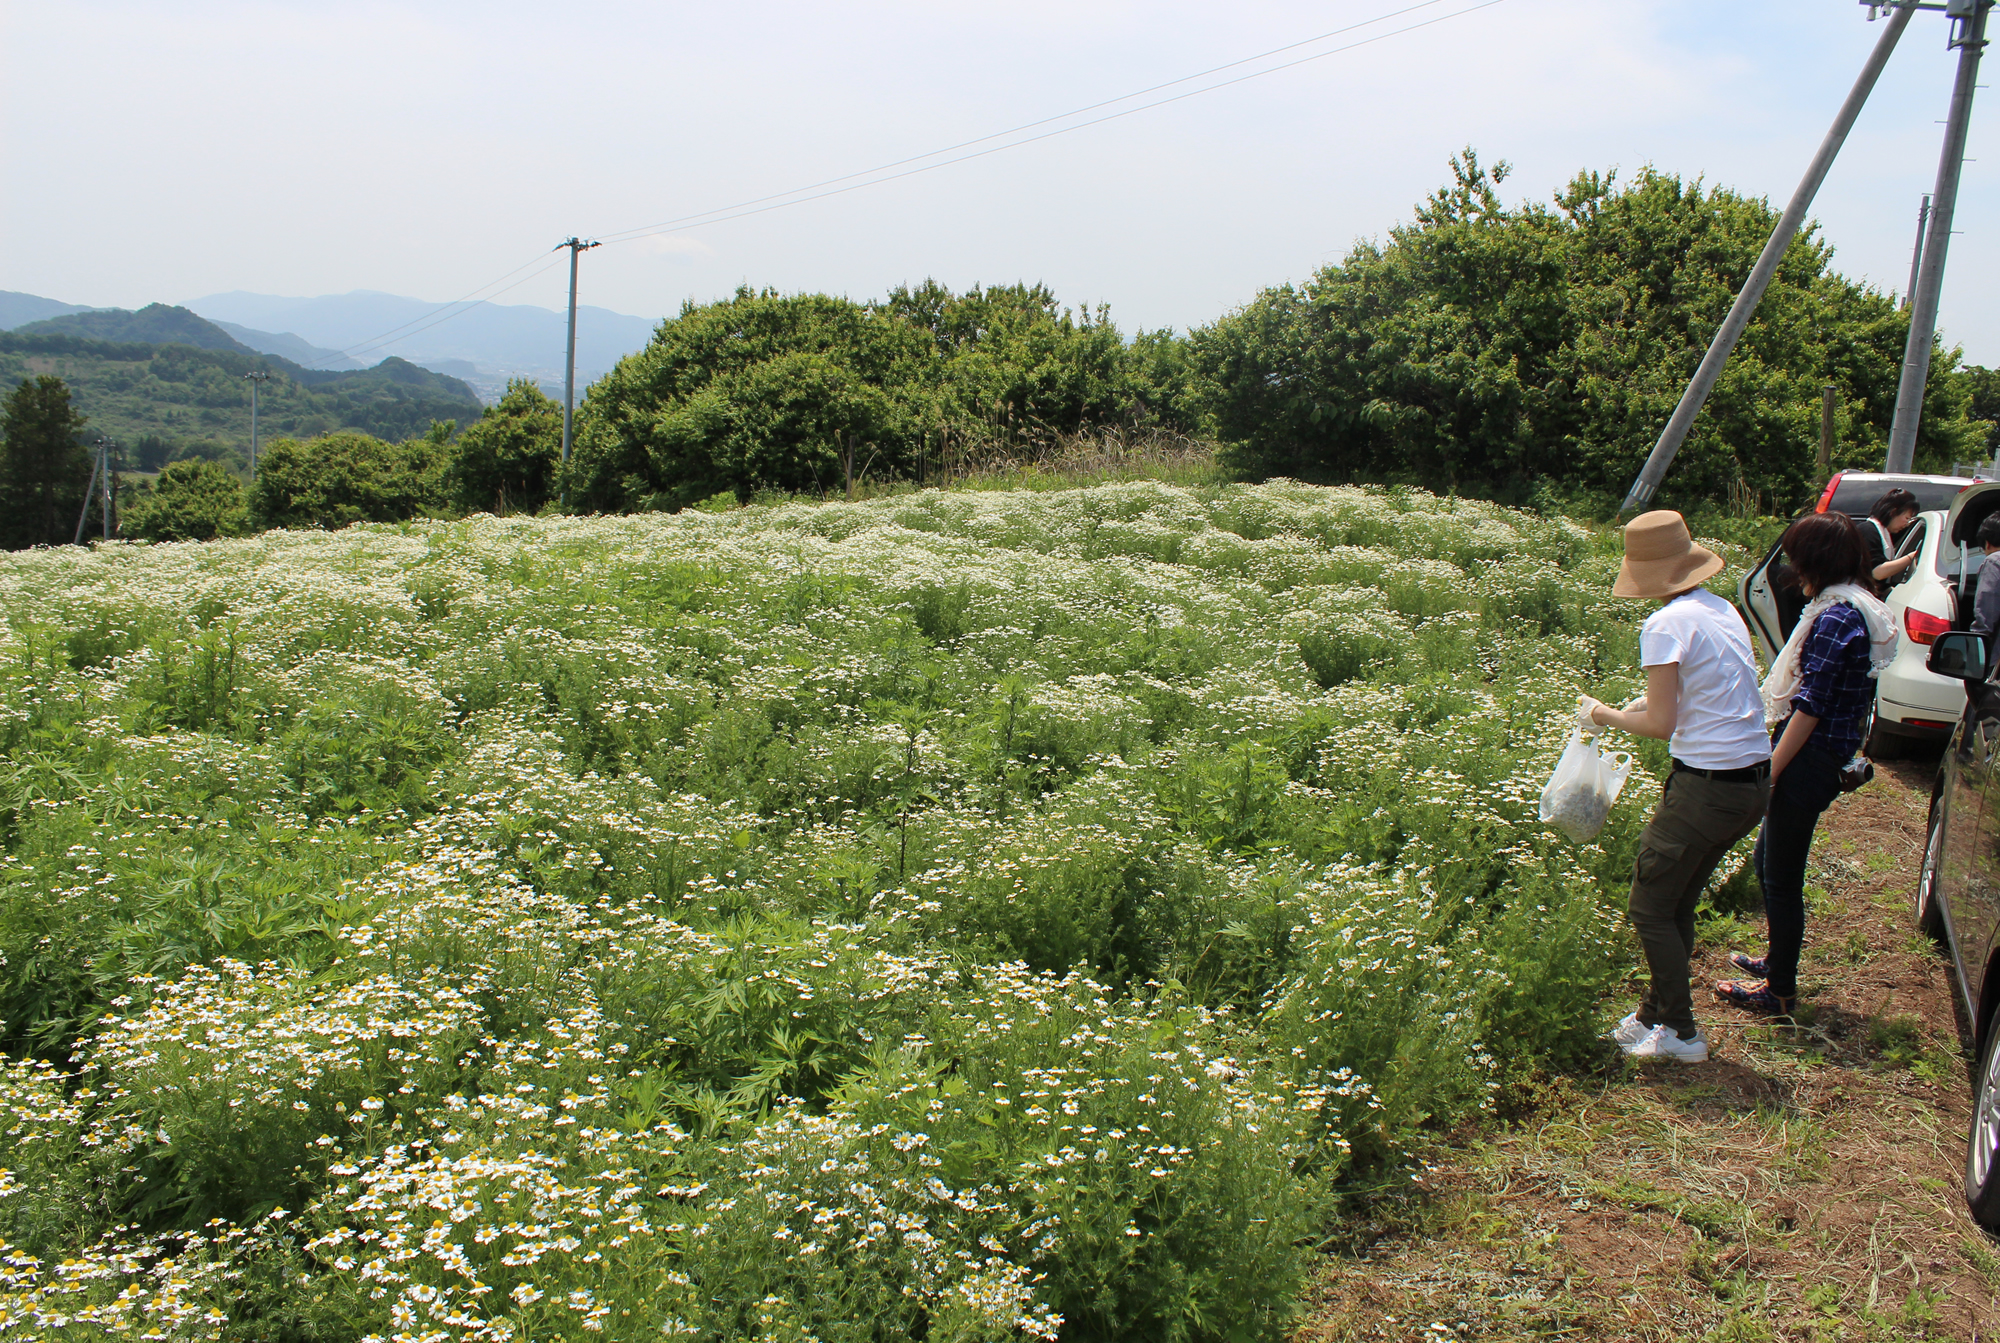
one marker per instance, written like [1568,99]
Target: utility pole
[256,380]
[100,470]
[576,246]
[1732,326]
[1917,252]
[1968,19]
[1826,395]
[90,490]
[104,447]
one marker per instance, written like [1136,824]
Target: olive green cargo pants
[1697,822]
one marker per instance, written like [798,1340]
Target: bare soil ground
[1804,1184]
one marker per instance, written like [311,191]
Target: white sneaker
[1630,1032]
[1663,1045]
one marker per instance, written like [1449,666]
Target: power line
[634,235]
[381,341]
[783,199]
[646,229]
[469,299]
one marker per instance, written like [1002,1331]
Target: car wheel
[1930,914]
[1880,741]
[1982,1148]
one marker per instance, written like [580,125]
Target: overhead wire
[452,309]
[647,229]
[873,176]
[635,235]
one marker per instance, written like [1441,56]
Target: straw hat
[1661,559]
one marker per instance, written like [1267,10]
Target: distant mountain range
[482,346]
[497,341]
[165,383]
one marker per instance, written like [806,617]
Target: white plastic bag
[1579,794]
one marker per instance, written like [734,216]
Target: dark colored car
[1958,892]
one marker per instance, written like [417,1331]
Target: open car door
[1770,602]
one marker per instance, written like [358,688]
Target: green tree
[1488,345]
[44,466]
[338,479]
[191,501]
[759,391]
[506,461]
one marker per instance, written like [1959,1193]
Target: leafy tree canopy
[192,500]
[345,478]
[44,466]
[1484,344]
[770,391]
[507,460]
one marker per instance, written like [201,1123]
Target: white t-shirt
[1719,722]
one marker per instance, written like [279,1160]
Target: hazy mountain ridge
[165,400]
[18,309]
[499,340]
[292,346]
[154,324]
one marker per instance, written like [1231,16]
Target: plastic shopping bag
[1579,794]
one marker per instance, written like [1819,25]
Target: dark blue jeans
[1806,788]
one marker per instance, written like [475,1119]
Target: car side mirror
[1959,655]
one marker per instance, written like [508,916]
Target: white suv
[1933,595]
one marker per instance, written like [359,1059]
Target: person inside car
[1701,694]
[1883,532]
[1986,605]
[1819,691]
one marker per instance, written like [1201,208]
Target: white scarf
[1783,682]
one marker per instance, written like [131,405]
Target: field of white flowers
[958,916]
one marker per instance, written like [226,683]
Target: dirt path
[1801,1185]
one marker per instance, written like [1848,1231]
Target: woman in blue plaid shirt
[1821,686]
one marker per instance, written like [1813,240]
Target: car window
[1855,497]
[1912,540]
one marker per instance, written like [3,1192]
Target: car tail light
[1923,627]
[1826,496]
[1930,723]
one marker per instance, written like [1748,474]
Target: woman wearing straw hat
[1702,694]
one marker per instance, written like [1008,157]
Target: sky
[161,152]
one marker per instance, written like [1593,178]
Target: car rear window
[1856,497]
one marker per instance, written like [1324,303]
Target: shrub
[190,501]
[345,478]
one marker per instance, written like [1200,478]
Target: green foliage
[338,479]
[506,460]
[195,403]
[799,393]
[44,467]
[1487,345]
[977,915]
[190,501]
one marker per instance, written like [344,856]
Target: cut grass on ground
[1802,1185]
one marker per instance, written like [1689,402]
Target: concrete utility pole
[1968,19]
[256,380]
[575,245]
[89,491]
[100,470]
[1917,252]
[1732,326]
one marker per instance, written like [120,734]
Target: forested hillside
[165,401]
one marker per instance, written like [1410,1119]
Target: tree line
[1480,347]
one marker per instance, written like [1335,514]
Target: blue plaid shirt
[1834,685]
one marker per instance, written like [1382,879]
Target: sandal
[1754,966]
[1754,995]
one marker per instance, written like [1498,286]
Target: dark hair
[1826,549]
[1892,503]
[1989,530]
